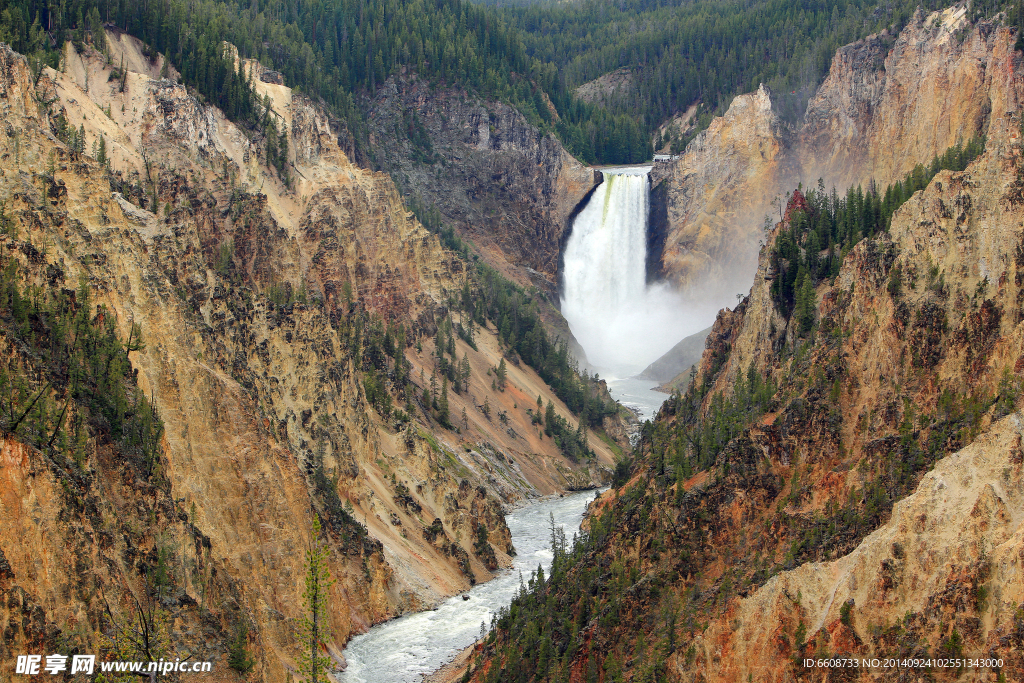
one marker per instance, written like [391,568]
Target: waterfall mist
[621,322]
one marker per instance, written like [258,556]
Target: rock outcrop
[891,102]
[490,174]
[607,88]
[714,196]
[888,103]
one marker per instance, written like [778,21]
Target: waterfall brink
[622,323]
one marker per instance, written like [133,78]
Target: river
[637,394]
[405,649]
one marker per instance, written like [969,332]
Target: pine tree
[101,153]
[282,149]
[443,404]
[314,628]
[124,76]
[99,37]
[439,344]
[239,657]
[502,373]
[805,304]
[272,141]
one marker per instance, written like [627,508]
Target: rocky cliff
[494,177]
[258,296]
[845,486]
[713,197]
[677,361]
[888,103]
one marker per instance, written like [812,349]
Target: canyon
[838,478]
[252,296]
[843,485]
[888,103]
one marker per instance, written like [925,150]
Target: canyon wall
[254,292]
[888,103]
[941,574]
[493,177]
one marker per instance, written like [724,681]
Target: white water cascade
[406,649]
[622,323]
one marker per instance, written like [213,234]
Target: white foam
[622,323]
[404,650]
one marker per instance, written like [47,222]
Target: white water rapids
[405,649]
[621,322]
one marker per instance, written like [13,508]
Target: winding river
[405,649]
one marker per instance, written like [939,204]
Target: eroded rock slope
[888,103]
[257,295]
[490,174]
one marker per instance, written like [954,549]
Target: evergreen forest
[677,53]
[681,53]
[824,226]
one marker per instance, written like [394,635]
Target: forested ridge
[679,53]
[682,53]
[334,51]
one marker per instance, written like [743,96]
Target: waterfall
[622,323]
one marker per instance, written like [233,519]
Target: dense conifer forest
[678,53]
[684,53]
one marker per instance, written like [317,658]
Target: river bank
[639,395]
[407,649]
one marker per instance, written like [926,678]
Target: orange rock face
[888,103]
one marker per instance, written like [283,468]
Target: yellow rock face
[265,414]
[950,555]
[962,528]
[887,104]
